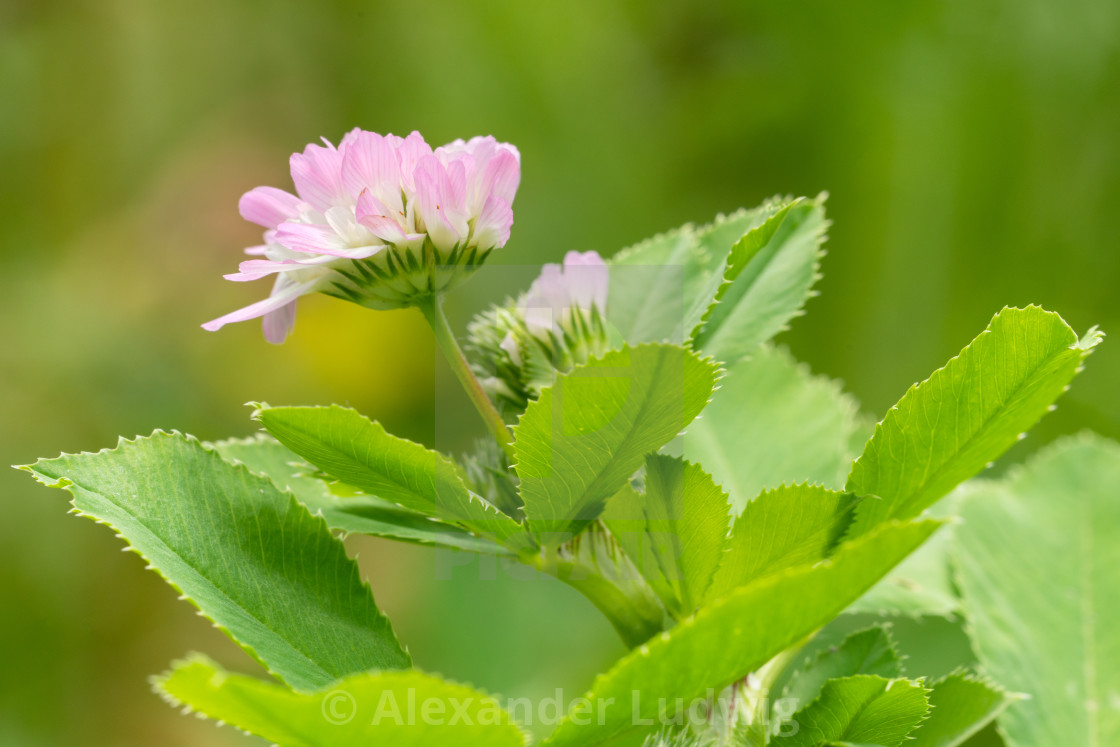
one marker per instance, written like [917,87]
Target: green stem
[608,580]
[433,312]
[760,684]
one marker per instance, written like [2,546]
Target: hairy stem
[433,312]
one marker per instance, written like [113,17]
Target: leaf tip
[258,409]
[1090,339]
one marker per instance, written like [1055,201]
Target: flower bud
[557,324]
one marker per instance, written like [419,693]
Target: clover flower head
[382,221]
[557,324]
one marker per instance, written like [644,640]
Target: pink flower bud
[578,285]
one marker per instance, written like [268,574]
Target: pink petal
[588,279]
[374,215]
[482,147]
[494,223]
[315,239]
[449,150]
[371,163]
[428,204]
[503,175]
[268,206]
[346,140]
[409,154]
[453,190]
[280,297]
[581,283]
[360,252]
[317,173]
[387,229]
[255,269]
[368,205]
[242,277]
[549,290]
[278,323]
[256,251]
[585,259]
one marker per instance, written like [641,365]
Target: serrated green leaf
[667,288]
[861,709]
[961,704]
[933,646]
[252,559]
[383,708]
[921,585]
[588,433]
[687,516]
[772,423]
[768,278]
[968,413]
[717,239]
[650,283]
[358,451]
[675,533]
[737,634]
[625,519]
[782,528]
[359,513]
[1037,564]
[869,651]
[735,241]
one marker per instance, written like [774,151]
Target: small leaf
[588,434]
[735,241]
[359,452]
[772,423]
[735,635]
[250,557]
[358,513]
[863,709]
[768,278]
[675,533]
[968,413]
[781,529]
[869,651]
[1037,563]
[962,704]
[401,709]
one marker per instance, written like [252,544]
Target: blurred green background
[971,151]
